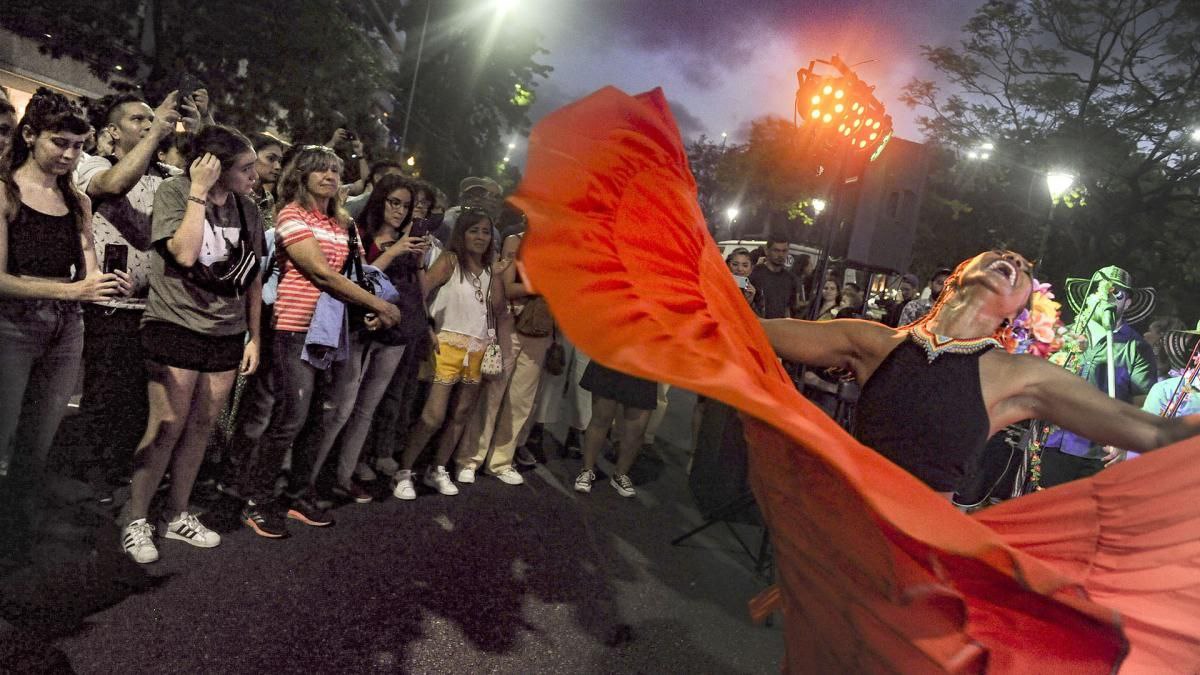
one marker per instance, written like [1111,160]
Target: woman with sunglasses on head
[312,235]
[47,267]
[205,295]
[468,288]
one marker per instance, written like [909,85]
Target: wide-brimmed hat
[1141,300]
[1178,345]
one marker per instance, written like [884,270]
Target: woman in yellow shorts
[465,289]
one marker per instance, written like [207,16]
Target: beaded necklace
[936,345]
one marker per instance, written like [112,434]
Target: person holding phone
[121,186]
[393,247]
[205,296]
[48,267]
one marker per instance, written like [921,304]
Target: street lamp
[732,213]
[411,161]
[1058,183]
[818,205]
[1196,134]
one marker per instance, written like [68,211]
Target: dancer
[877,573]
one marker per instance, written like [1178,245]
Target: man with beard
[1106,304]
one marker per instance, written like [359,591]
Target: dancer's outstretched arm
[850,344]
[1036,389]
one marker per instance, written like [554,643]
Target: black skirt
[630,391]
[179,347]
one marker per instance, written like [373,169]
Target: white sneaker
[404,486]
[623,485]
[466,475]
[510,476]
[364,474]
[188,527]
[138,540]
[439,479]
[387,466]
[583,482]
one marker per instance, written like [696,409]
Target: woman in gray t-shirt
[205,295]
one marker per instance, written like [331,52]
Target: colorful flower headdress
[1037,329]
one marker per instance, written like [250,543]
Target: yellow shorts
[454,364]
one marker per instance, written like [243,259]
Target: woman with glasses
[467,290]
[386,226]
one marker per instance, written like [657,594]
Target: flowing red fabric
[876,573]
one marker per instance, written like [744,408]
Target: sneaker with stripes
[187,527]
[138,540]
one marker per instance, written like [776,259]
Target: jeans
[297,386]
[114,407]
[41,346]
[380,364]
[401,403]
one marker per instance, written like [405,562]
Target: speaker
[719,470]
[881,209]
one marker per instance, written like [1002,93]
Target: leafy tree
[308,67]
[1104,88]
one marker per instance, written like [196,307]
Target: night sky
[723,63]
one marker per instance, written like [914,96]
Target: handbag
[230,277]
[556,357]
[535,319]
[352,269]
[493,361]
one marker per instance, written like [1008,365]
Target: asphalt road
[526,579]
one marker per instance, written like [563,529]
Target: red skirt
[876,573]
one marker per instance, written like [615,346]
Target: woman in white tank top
[466,289]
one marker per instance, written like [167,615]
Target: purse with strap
[535,319]
[493,361]
[556,357]
[230,277]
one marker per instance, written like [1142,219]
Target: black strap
[353,264]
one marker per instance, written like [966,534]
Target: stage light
[839,93]
[816,113]
[862,144]
[841,127]
[875,126]
[873,136]
[846,132]
[816,100]
[839,108]
[827,118]
[869,120]
[827,90]
[857,123]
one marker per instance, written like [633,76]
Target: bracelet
[197,200]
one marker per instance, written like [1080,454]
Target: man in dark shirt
[776,285]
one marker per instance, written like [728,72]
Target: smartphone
[350,137]
[421,227]
[116,257]
[188,84]
[741,281]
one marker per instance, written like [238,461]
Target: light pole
[1058,183]
[412,89]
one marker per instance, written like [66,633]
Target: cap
[472,182]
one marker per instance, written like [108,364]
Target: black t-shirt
[777,289]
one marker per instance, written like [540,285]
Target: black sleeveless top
[42,245]
[926,416]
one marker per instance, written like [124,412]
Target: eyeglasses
[393,203]
[477,282]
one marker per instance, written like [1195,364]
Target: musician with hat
[1177,396]
[1109,354]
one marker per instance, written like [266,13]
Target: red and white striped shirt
[297,298]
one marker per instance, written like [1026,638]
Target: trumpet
[1186,384]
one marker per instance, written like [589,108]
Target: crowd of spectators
[234,311]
